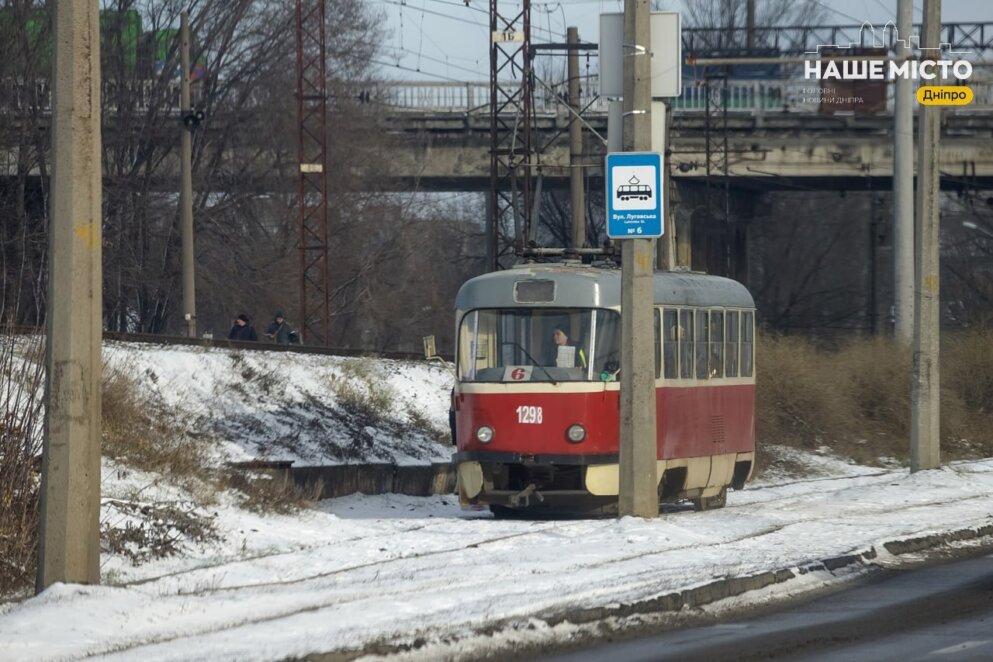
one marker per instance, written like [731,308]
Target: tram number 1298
[529,414]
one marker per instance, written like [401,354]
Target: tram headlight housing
[576,433]
[484,433]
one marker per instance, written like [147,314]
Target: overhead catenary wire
[838,12]
[397,65]
[458,19]
[402,4]
[440,61]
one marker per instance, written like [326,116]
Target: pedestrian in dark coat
[280,331]
[243,329]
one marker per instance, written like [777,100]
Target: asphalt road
[937,613]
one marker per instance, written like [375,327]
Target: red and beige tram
[536,419]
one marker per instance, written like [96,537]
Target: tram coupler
[523,498]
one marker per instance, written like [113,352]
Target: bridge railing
[755,97]
[18,95]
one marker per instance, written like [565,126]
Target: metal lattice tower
[511,139]
[312,156]
[718,193]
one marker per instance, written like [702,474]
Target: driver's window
[535,344]
[467,345]
[486,355]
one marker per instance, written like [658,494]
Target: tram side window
[702,344]
[747,343]
[731,356]
[717,343]
[686,344]
[670,346]
[658,344]
[607,353]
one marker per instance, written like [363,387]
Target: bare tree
[244,171]
[723,23]
[806,274]
[24,76]
[967,260]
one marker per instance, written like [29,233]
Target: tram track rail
[436,559]
[426,578]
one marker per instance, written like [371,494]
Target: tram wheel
[712,503]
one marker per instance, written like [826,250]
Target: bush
[856,398]
[967,393]
[22,381]
[797,399]
[144,435]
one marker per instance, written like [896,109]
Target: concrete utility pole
[638,481]
[903,185]
[577,195]
[186,183]
[925,440]
[69,536]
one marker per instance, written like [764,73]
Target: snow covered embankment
[313,410]
[394,571]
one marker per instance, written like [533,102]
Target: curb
[735,586]
[911,545]
[678,600]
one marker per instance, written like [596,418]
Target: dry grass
[144,435]
[855,398]
[273,492]
[147,531]
[967,394]
[362,392]
[22,377]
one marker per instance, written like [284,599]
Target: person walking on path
[280,331]
[243,329]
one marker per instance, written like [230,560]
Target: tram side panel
[705,436]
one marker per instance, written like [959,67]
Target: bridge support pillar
[705,239]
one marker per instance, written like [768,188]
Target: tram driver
[567,354]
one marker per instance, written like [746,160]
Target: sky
[394,569]
[437,40]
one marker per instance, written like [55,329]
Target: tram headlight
[576,433]
[484,433]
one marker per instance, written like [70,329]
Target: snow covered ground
[310,409]
[382,573]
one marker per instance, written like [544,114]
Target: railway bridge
[777,137]
[774,133]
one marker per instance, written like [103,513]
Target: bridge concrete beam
[460,163]
[775,151]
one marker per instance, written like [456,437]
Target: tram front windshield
[539,345]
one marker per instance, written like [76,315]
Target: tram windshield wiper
[534,363]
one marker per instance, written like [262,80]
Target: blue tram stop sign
[634,195]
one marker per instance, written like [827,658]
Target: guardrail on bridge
[755,97]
